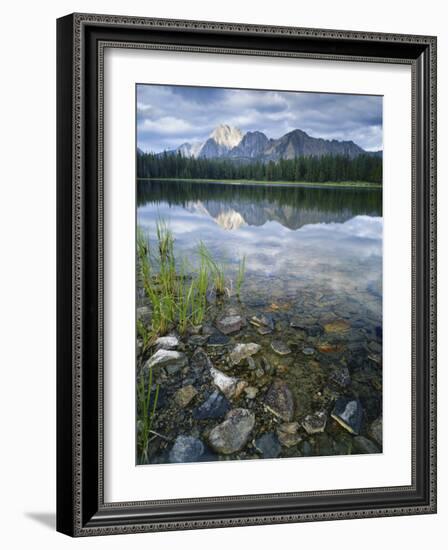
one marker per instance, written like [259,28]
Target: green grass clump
[146,414]
[178,300]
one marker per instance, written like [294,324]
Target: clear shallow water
[311,254]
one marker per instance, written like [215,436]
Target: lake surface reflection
[321,240]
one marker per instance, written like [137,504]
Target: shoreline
[310,185]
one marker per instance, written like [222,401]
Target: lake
[314,265]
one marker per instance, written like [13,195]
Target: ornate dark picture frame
[81,509]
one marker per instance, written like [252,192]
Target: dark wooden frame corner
[81,39]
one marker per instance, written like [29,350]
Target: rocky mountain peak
[227,136]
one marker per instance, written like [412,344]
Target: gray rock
[227,384]
[185,395]
[308,351]
[232,435]
[307,324]
[376,430]
[315,423]
[307,450]
[243,351]
[251,392]
[200,360]
[263,321]
[172,360]
[341,376]
[268,445]
[313,330]
[230,323]
[186,449]
[279,400]
[167,342]
[251,363]
[197,340]
[364,445]
[349,414]
[215,406]
[267,367]
[218,340]
[288,434]
[280,347]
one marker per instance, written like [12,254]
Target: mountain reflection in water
[293,238]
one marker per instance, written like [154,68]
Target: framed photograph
[246,274]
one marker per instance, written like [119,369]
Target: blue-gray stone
[215,406]
[268,445]
[186,449]
[217,340]
[349,413]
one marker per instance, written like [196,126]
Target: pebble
[280,347]
[349,414]
[315,423]
[167,342]
[268,445]
[243,351]
[185,395]
[186,449]
[215,406]
[279,400]
[232,435]
[173,360]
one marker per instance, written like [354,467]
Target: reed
[216,269]
[146,413]
[240,275]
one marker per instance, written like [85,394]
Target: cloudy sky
[168,116]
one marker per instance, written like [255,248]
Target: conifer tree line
[327,168]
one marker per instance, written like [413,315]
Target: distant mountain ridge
[227,142]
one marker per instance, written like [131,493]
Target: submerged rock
[364,445]
[243,351]
[264,323]
[315,423]
[339,326]
[376,430]
[279,400]
[167,342]
[186,449]
[218,340]
[341,376]
[232,435]
[268,445]
[215,406]
[349,414]
[288,434]
[308,351]
[172,360]
[185,395]
[327,347]
[228,324]
[280,347]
